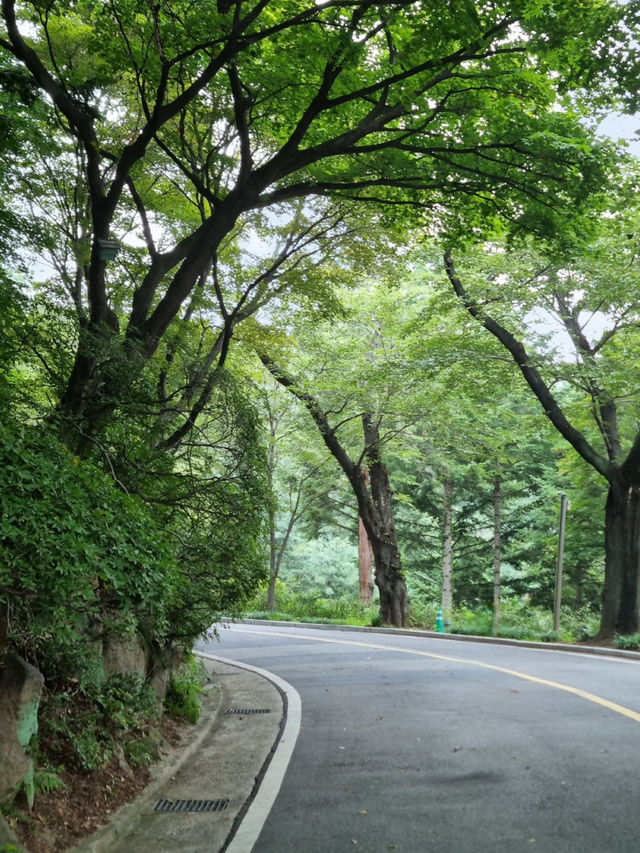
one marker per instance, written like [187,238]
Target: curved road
[427,744]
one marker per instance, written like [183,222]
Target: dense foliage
[77,553]
[189,185]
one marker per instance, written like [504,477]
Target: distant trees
[592,296]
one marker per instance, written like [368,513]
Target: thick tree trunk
[389,578]
[365,564]
[447,548]
[376,511]
[622,554]
[365,557]
[497,557]
[377,517]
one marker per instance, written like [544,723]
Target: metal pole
[558,596]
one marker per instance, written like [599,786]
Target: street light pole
[558,595]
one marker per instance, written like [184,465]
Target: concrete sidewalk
[223,761]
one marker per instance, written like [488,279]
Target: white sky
[623,127]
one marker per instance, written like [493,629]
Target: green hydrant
[439,621]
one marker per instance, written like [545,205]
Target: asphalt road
[419,744]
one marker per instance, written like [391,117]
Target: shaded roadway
[418,744]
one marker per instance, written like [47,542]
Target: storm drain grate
[244,711]
[190,805]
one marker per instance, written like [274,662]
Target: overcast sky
[623,127]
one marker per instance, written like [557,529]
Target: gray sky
[622,127]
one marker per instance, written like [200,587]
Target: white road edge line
[257,813]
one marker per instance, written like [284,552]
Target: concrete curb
[251,818]
[127,816]
[470,638]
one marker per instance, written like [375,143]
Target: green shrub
[273,615]
[465,621]
[630,641]
[91,723]
[182,699]
[73,546]
[310,606]
[518,621]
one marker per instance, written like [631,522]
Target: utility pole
[558,596]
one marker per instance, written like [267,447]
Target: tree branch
[532,376]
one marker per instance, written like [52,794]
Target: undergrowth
[182,699]
[630,641]
[310,606]
[518,619]
[87,725]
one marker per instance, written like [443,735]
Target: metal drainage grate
[190,805]
[244,711]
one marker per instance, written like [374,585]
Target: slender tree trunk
[4,629]
[277,549]
[622,555]
[273,564]
[579,581]
[447,548]
[497,557]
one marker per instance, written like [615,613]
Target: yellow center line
[583,694]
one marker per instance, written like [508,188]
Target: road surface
[427,744]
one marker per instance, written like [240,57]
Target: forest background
[277,278]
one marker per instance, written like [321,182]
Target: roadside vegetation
[520,621]
[309,309]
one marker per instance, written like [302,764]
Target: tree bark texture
[4,629]
[365,564]
[497,557]
[622,550]
[376,511]
[365,558]
[374,500]
[447,548]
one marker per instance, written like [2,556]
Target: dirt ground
[85,802]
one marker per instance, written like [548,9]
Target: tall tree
[222,111]
[369,480]
[291,499]
[473,424]
[351,376]
[601,282]
[447,547]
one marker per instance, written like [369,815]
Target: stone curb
[472,638]
[127,816]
